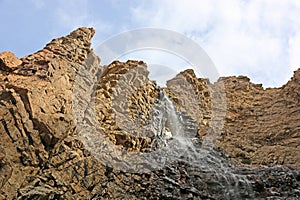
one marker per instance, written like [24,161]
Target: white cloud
[294,51]
[260,39]
[158,47]
[255,38]
[162,65]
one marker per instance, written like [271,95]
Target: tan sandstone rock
[42,156]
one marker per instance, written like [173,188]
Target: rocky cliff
[261,126]
[44,156]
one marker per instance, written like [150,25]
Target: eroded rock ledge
[41,156]
[261,126]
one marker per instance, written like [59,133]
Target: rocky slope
[261,126]
[46,99]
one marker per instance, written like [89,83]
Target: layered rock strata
[251,124]
[42,156]
[124,98]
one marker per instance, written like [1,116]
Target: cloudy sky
[257,38]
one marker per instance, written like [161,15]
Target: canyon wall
[42,156]
[260,126]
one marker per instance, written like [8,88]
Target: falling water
[183,145]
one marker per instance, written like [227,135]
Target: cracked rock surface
[42,156]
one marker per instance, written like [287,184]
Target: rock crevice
[42,156]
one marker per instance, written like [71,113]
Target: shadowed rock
[42,156]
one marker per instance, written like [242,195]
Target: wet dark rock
[43,155]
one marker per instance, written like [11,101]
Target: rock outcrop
[260,126]
[124,97]
[268,122]
[43,157]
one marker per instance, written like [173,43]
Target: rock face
[269,122]
[42,156]
[8,61]
[124,97]
[36,115]
[261,126]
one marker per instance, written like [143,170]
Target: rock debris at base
[42,157]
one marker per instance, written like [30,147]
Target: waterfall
[181,145]
[171,122]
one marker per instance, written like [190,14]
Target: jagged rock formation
[42,157]
[36,116]
[269,131]
[261,126]
[125,90]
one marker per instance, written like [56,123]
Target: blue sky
[257,38]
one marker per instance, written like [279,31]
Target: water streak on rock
[58,111]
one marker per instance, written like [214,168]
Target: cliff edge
[41,156]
